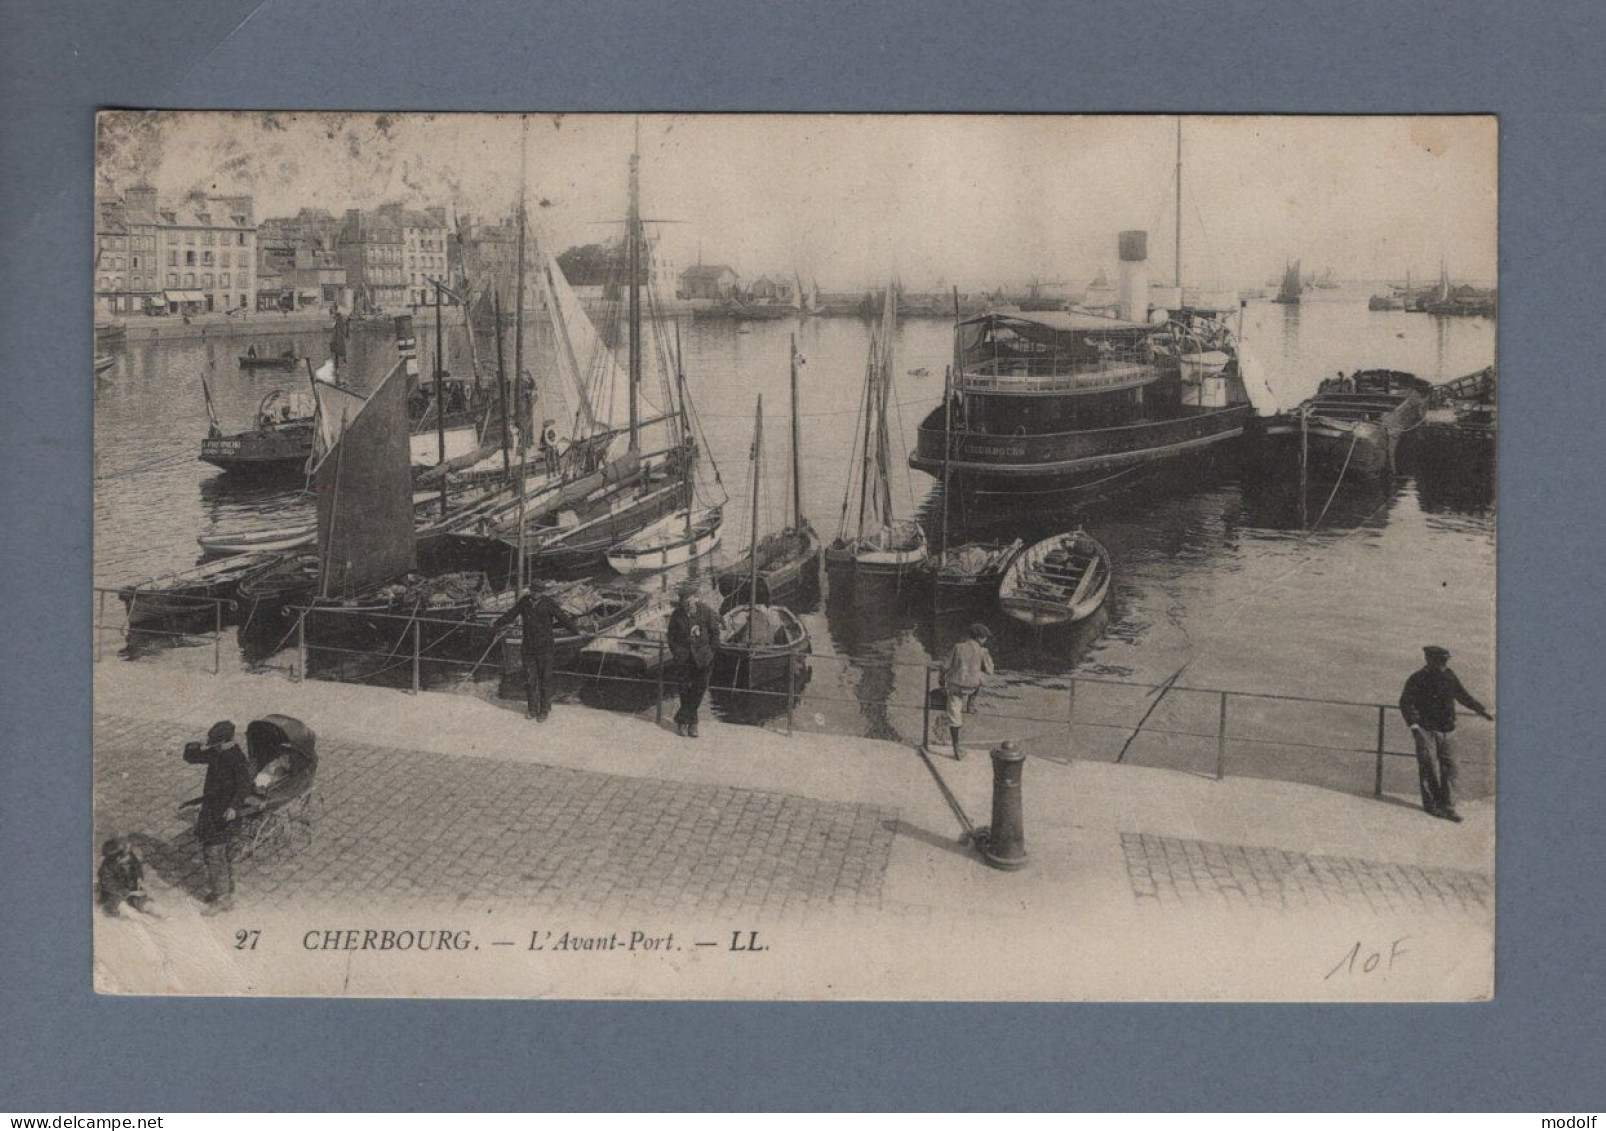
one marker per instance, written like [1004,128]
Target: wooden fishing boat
[596,608]
[877,545]
[963,575]
[267,594]
[788,561]
[1059,580]
[760,645]
[673,540]
[637,646]
[192,600]
[1350,433]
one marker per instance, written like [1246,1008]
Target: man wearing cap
[968,664]
[1428,704]
[693,641]
[538,612]
[227,785]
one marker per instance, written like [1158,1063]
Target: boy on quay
[968,664]
[693,641]
[223,795]
[538,611]
[1428,705]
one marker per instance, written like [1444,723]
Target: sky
[851,200]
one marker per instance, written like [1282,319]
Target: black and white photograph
[794,557]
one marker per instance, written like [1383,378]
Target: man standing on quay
[968,665]
[224,793]
[537,611]
[1428,704]
[693,639]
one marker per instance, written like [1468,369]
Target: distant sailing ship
[1291,288]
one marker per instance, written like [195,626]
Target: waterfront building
[390,254]
[186,257]
[714,281]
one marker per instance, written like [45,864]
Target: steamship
[1064,400]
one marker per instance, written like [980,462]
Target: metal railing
[162,609]
[403,646]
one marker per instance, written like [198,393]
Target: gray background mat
[1537,1046]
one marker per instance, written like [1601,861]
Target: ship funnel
[1134,284]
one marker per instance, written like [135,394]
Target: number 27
[246,940]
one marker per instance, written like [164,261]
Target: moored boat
[673,540]
[271,539]
[1288,294]
[1059,580]
[103,362]
[284,362]
[278,443]
[788,561]
[193,600]
[761,646]
[963,575]
[636,646]
[870,541]
[1355,430]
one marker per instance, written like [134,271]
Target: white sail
[589,364]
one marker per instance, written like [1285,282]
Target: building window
[206,259]
[172,278]
[189,259]
[189,278]
[223,259]
[105,283]
[134,262]
[189,238]
[239,238]
[206,280]
[224,280]
[172,259]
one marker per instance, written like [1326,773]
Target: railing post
[1382,723]
[301,644]
[100,624]
[217,636]
[791,684]
[658,707]
[1070,721]
[415,655]
[925,713]
[1221,740]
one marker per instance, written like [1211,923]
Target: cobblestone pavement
[407,826]
[1166,870]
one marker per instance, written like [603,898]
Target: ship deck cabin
[1059,352]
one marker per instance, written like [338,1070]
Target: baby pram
[277,818]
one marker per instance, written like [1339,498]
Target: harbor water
[1223,578]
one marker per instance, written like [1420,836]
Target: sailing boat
[1288,295]
[876,544]
[688,531]
[760,645]
[787,563]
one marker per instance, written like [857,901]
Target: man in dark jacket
[122,878]
[538,612]
[223,795]
[1428,704]
[693,642]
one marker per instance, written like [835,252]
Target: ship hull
[1067,460]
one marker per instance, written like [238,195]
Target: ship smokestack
[1134,304]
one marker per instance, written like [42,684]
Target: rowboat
[1059,580]
[761,646]
[673,540]
[103,362]
[193,600]
[285,361]
[270,539]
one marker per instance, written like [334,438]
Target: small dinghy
[1059,580]
[268,539]
[761,646]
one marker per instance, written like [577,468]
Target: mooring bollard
[1006,840]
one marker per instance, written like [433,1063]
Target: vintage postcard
[794,557]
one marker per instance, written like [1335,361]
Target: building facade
[391,253]
[193,256]
[712,282]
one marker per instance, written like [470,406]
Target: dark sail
[363,481]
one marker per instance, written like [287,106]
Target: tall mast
[758,464]
[633,238]
[440,401]
[1177,281]
[797,448]
[948,425]
[518,311]
[501,388]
